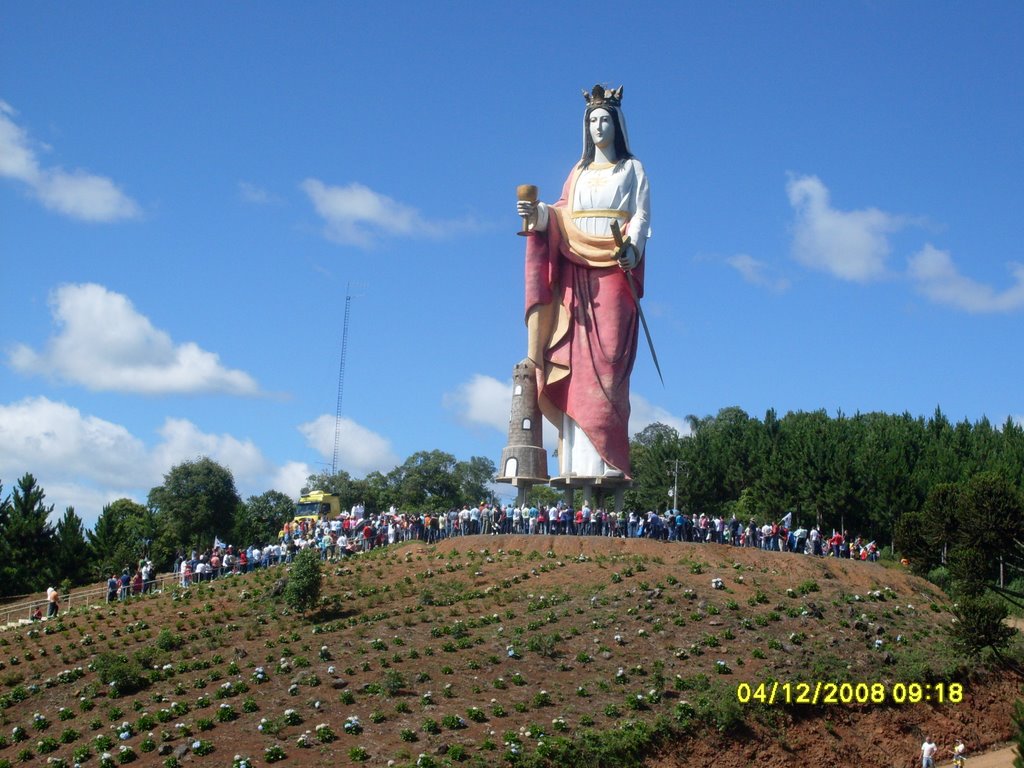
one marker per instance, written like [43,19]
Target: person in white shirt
[928,749]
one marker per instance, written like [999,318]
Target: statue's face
[602,128]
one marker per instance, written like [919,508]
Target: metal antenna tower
[341,381]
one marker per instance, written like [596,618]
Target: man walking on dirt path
[928,753]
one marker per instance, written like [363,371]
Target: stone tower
[524,462]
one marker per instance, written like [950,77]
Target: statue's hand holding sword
[629,258]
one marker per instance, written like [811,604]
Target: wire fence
[17,614]
[22,613]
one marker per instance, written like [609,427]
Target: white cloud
[756,272]
[104,344]
[77,194]
[360,450]
[356,215]
[86,462]
[41,436]
[257,195]
[182,440]
[937,277]
[851,245]
[482,401]
[290,477]
[643,413]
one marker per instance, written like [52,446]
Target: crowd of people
[356,531]
[120,587]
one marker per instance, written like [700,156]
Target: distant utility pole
[341,381]
[675,480]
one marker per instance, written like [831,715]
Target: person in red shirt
[836,543]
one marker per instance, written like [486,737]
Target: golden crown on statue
[600,96]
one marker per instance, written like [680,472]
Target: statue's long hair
[621,146]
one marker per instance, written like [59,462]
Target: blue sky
[187,190]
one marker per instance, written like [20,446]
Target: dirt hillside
[510,650]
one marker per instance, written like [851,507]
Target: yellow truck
[314,506]
[318,504]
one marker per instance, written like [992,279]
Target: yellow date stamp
[828,693]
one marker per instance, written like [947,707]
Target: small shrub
[169,641]
[304,582]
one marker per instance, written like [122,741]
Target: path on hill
[1000,758]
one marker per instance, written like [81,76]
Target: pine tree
[118,539]
[72,553]
[5,517]
[28,563]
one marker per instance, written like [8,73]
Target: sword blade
[617,234]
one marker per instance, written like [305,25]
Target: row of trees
[427,480]
[33,551]
[861,472]
[197,501]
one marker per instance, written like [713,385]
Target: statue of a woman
[581,314]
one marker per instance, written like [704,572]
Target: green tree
[653,452]
[124,533]
[302,592]
[379,494]
[911,540]
[197,502]
[738,450]
[773,494]
[980,624]
[993,523]
[473,479]
[941,515]
[350,491]
[5,518]
[29,537]
[72,556]
[1011,452]
[543,494]
[887,451]
[260,518]
[425,481]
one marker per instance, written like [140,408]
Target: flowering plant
[126,754]
[274,753]
[325,734]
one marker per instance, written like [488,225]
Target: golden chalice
[527,193]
